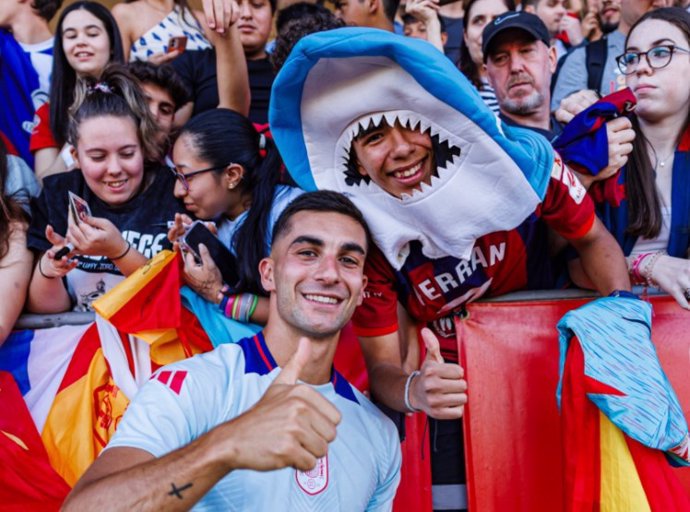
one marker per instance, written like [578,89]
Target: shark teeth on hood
[445,143]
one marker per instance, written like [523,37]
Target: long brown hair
[644,204]
[10,211]
[466,64]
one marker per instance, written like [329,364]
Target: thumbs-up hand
[440,389]
[290,426]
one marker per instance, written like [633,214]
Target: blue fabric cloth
[19,94]
[615,335]
[219,328]
[582,144]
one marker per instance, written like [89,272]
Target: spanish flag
[623,427]
[140,326]
[23,454]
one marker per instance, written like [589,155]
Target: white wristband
[410,377]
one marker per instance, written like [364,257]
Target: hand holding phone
[226,262]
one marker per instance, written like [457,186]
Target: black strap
[595,61]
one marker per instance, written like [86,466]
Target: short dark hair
[298,11]
[295,22]
[408,18]
[165,77]
[46,9]
[390,8]
[325,201]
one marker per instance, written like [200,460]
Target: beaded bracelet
[635,268]
[410,378]
[647,272]
[239,307]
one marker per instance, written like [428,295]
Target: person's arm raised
[290,426]
[231,64]
[439,388]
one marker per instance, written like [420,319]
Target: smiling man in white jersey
[233,429]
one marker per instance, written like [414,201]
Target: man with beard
[519,63]
[591,70]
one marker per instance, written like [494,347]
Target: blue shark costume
[315,115]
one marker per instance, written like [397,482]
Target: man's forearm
[173,482]
[387,382]
[603,260]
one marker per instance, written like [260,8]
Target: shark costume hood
[335,83]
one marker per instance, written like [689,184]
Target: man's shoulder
[363,407]
[211,368]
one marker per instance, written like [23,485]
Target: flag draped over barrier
[516,456]
[140,326]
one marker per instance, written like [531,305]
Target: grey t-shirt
[573,74]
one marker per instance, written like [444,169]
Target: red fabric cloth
[27,480]
[42,136]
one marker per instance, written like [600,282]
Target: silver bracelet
[407,391]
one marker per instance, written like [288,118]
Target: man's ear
[373,6]
[267,275]
[553,59]
[365,281]
[529,8]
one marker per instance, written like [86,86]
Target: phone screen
[226,262]
[177,43]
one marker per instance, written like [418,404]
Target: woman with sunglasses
[229,173]
[653,223]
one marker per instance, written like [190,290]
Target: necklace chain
[661,162]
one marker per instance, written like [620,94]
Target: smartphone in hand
[225,260]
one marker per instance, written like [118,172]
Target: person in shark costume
[456,202]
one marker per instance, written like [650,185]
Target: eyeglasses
[184,178]
[657,57]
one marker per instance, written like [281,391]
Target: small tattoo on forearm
[177,491]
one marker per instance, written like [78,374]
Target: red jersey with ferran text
[502,262]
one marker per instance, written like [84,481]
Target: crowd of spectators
[157,115]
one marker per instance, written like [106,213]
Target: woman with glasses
[653,223]
[80,256]
[228,173]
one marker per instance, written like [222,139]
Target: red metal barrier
[510,354]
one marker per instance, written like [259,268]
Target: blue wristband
[623,293]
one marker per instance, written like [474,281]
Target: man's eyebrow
[310,240]
[354,247]
[306,239]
